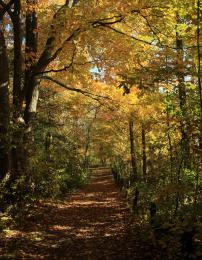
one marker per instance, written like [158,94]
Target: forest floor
[93,223]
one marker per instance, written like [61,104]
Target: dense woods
[105,83]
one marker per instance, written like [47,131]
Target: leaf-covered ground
[93,223]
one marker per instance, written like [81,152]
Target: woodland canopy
[102,83]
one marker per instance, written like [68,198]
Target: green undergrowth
[170,212]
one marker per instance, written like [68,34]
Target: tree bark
[31,82]
[134,176]
[20,144]
[144,156]
[184,121]
[17,136]
[88,138]
[199,72]
[17,78]
[170,148]
[4,108]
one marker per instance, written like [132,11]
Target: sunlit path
[91,224]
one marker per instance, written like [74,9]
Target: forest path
[93,223]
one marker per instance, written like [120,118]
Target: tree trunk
[31,82]
[134,175]
[4,108]
[17,78]
[17,136]
[144,156]
[170,148]
[88,139]
[177,197]
[184,121]
[199,72]
[28,93]
[35,68]
[31,85]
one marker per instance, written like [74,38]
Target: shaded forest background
[108,83]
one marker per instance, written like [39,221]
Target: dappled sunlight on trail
[93,223]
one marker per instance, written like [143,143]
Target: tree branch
[107,21]
[127,35]
[5,7]
[71,64]
[65,68]
[47,57]
[78,90]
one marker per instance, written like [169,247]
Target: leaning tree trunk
[33,69]
[36,68]
[4,108]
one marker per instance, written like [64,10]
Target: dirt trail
[93,223]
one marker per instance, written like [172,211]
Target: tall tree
[144,156]
[4,104]
[180,72]
[199,72]
[134,175]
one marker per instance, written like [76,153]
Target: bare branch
[71,64]
[5,7]
[78,90]
[108,21]
[151,27]
[47,57]
[127,35]
[65,68]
